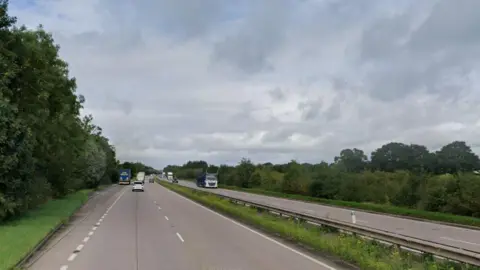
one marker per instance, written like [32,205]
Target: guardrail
[441,250]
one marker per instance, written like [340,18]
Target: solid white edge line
[180,237]
[257,233]
[72,257]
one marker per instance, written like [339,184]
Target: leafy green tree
[352,160]
[244,172]
[456,157]
[45,147]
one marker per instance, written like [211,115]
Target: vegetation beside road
[19,236]
[363,253]
[47,150]
[397,179]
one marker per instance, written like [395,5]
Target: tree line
[47,150]
[406,175]
[136,167]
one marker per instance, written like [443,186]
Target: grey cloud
[279,135]
[180,19]
[147,77]
[451,25]
[277,94]
[259,37]
[310,109]
[408,59]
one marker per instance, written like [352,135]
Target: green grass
[378,208]
[362,253]
[19,237]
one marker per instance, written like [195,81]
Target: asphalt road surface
[468,239]
[159,229]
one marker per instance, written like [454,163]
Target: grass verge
[378,208]
[362,253]
[19,237]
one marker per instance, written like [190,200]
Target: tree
[295,180]
[244,173]
[352,160]
[399,174]
[45,147]
[456,157]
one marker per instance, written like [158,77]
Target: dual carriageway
[159,229]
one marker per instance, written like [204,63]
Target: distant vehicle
[137,186]
[125,175]
[141,177]
[151,179]
[207,180]
[175,180]
[170,176]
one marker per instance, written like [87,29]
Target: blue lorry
[125,176]
[207,180]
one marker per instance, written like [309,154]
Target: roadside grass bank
[363,253]
[20,236]
[371,207]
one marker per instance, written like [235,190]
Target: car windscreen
[137,183]
[211,178]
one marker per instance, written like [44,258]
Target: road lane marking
[72,257]
[115,202]
[180,237]
[79,248]
[257,233]
[460,241]
[90,233]
[166,217]
[159,208]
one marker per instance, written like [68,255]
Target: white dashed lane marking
[166,217]
[72,257]
[79,248]
[256,232]
[90,233]
[180,237]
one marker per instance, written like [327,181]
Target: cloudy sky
[272,80]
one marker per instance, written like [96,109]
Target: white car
[137,186]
